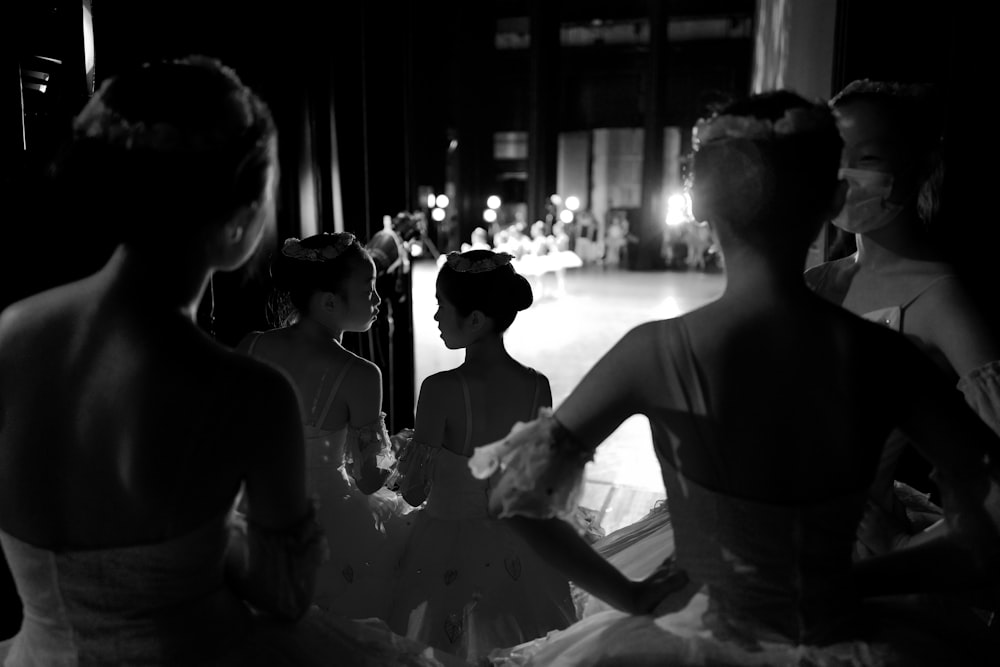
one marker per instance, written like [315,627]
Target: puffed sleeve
[541,471]
[368,442]
[275,570]
[414,470]
[981,388]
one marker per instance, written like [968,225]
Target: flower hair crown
[462,264]
[294,249]
[798,120]
[898,89]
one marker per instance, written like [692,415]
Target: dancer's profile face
[361,297]
[451,324]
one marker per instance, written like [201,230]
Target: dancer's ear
[477,320]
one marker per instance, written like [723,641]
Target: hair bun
[522,295]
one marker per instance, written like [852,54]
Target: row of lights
[678,208]
[438,204]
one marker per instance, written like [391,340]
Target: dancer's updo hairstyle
[484,280]
[319,263]
[172,147]
[767,166]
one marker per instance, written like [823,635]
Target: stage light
[489,215]
[556,199]
[566,216]
[678,209]
[431,200]
[572,203]
[438,214]
[493,202]
[442,201]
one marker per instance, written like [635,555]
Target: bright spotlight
[489,215]
[416,250]
[493,202]
[438,214]
[566,216]
[572,203]
[556,199]
[431,199]
[442,201]
[678,209]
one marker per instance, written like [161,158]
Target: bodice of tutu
[136,605]
[326,449]
[325,463]
[772,571]
[452,493]
[455,494]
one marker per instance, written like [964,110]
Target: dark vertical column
[652,211]
[12,110]
[388,102]
[12,174]
[543,106]
[319,147]
[346,40]
[385,31]
[969,228]
[474,156]
[373,102]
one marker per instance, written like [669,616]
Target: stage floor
[563,336]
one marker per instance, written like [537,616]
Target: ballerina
[325,286]
[468,583]
[764,503]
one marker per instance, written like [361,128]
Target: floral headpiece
[889,88]
[98,120]
[795,121]
[293,248]
[462,264]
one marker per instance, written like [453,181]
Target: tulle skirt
[470,585]
[366,536]
[324,639]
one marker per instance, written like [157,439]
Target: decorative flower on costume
[340,242]
[487,459]
[795,121]
[457,262]
[542,466]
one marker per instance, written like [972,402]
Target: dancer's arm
[563,548]
[417,462]
[363,388]
[965,453]
[544,469]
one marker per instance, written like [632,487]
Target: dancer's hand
[650,594]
